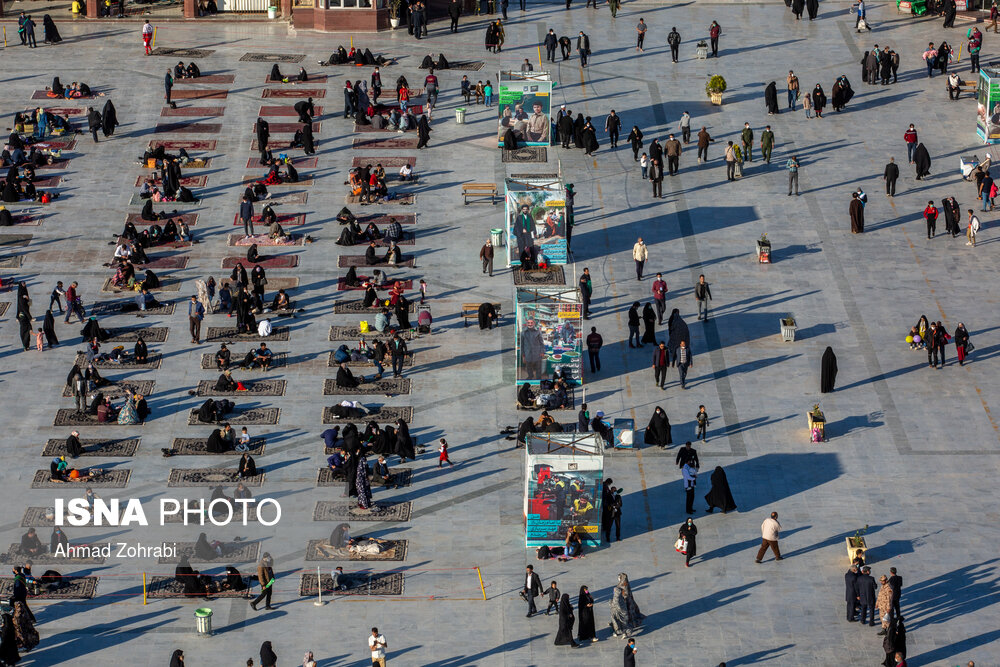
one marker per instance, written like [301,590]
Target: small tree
[715,84]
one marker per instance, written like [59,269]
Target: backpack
[342,354]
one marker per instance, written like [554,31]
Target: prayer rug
[269,262]
[263,241]
[232,552]
[108,308]
[152,363]
[186,144]
[354,333]
[399,200]
[199,447]
[526,154]
[396,143]
[298,162]
[326,477]
[303,182]
[395,550]
[466,65]
[72,588]
[11,262]
[385,386]
[206,78]
[131,334]
[272,57]
[100,447]
[354,583]
[47,182]
[169,112]
[43,517]
[529,176]
[119,388]
[186,477]
[108,479]
[284,128]
[14,555]
[208,360]
[4,305]
[242,417]
[570,404]
[166,586]
[166,285]
[254,388]
[160,263]
[331,363]
[385,218]
[68,417]
[44,95]
[375,413]
[56,164]
[341,285]
[340,510]
[553,276]
[283,220]
[315,93]
[382,243]
[199,94]
[387,162]
[344,261]
[313,78]
[181,53]
[136,200]
[285,283]
[186,181]
[188,128]
[371,129]
[64,143]
[14,240]
[226,334]
[356,307]
[190,218]
[268,111]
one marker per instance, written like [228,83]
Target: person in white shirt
[973,229]
[769,531]
[406,172]
[264,328]
[378,646]
[123,250]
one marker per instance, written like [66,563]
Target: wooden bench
[470,311]
[967,87]
[480,190]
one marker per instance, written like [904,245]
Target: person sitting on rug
[264,328]
[346,379]
[371,295]
[192,71]
[193,582]
[73,446]
[140,351]
[262,357]
[335,462]
[406,173]
[226,382]
[30,544]
[371,232]
[221,440]
[350,235]
[525,397]
[179,70]
[241,492]
[276,75]
[393,254]
[291,173]
[281,302]
[371,258]
[247,467]
[338,57]
[382,320]
[223,356]
[381,472]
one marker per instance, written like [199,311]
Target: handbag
[969,347]
[363,325]
[681,545]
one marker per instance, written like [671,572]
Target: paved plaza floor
[912,452]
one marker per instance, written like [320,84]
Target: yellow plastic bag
[363,326]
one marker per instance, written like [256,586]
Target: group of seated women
[74,91]
[154,235]
[19,184]
[276,177]
[353,57]
[189,72]
[125,278]
[554,398]
[369,184]
[44,122]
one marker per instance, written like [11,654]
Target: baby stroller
[424,319]
[968,165]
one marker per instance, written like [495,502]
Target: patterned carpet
[226,334]
[353,333]
[356,307]
[272,58]
[326,477]
[152,362]
[198,447]
[119,388]
[166,586]
[232,552]
[355,583]
[533,154]
[553,276]
[385,386]
[69,417]
[75,588]
[330,363]
[208,360]
[110,479]
[246,417]
[99,447]
[321,551]
[210,477]
[339,510]
[254,388]
[377,413]
[132,334]
[14,555]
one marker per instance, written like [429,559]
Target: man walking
[793,89]
[397,349]
[703,141]
[586,292]
[702,294]
[550,46]
[685,455]
[246,216]
[74,304]
[747,136]
[684,361]
[196,313]
[486,254]
[930,215]
[672,148]
[660,297]
[613,126]
[766,143]
[769,532]
[640,29]
[532,589]
[147,37]
[896,586]
[377,645]
[594,344]
[583,47]
[793,174]
[730,162]
[867,595]
[661,360]
[674,40]
[910,137]
[714,31]
[890,175]
[454,12]
[685,127]
[656,177]
[94,122]
[265,575]
[29,31]
[640,254]
[851,592]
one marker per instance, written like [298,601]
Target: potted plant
[715,86]
[857,543]
[788,327]
[763,249]
[394,7]
[701,50]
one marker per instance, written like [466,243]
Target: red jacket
[931,212]
[910,136]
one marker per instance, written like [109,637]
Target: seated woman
[351,279]
[205,550]
[193,582]
[140,351]
[371,295]
[252,254]
[442,62]
[74,92]
[338,57]
[185,196]
[30,192]
[346,379]
[348,236]
[6,219]
[267,215]
[358,56]
[273,175]
[371,232]
[302,75]
[147,213]
[169,234]
[525,397]
[150,280]
[10,192]
[281,301]
[379,190]
[28,172]
[276,75]
[192,71]
[427,62]
[247,467]
[546,424]
[58,472]
[56,89]
[393,255]
[291,174]
[124,275]
[84,89]
[226,382]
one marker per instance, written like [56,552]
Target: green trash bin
[203,621]
[460,115]
[496,237]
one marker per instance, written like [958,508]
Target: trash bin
[460,115]
[203,620]
[496,237]
[272,12]
[623,431]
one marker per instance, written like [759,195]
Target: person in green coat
[766,143]
[747,136]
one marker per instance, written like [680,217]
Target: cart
[968,165]
[817,426]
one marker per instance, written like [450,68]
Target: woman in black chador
[719,495]
[658,430]
[564,636]
[828,373]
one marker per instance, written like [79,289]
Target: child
[40,340]
[423,290]
[553,593]
[913,332]
[583,419]
[702,418]
[443,453]
[644,165]
[244,437]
